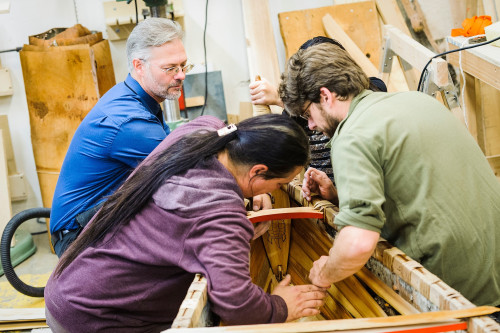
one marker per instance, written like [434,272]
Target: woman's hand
[301,301]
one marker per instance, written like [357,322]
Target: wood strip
[259,264]
[9,315]
[438,317]
[417,55]
[381,289]
[299,259]
[284,213]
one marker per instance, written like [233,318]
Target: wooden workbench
[481,67]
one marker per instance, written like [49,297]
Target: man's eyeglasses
[307,114]
[172,71]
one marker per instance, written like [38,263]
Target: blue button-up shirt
[122,129]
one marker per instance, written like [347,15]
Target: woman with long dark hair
[182,212]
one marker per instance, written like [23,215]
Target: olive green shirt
[407,168]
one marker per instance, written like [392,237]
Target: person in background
[124,126]
[262,92]
[405,169]
[182,212]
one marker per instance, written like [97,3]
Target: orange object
[472,26]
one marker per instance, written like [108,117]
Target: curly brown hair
[322,65]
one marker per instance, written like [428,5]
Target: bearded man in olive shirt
[405,169]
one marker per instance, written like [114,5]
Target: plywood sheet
[359,20]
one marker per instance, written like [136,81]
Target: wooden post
[261,47]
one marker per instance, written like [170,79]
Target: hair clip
[227,130]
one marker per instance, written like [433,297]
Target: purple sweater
[137,277]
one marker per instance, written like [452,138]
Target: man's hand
[351,250]
[317,181]
[301,301]
[264,93]
[316,276]
[261,202]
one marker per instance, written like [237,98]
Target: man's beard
[163,92]
[331,122]
[160,90]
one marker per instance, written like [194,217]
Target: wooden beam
[417,55]
[261,46]
[389,295]
[482,62]
[437,317]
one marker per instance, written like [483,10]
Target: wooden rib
[381,289]
[300,258]
[259,264]
[332,308]
[303,264]
[277,239]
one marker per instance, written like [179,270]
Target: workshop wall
[225,40]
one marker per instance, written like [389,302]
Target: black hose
[7,235]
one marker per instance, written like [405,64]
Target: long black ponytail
[276,141]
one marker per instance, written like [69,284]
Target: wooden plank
[259,109]
[359,20]
[437,317]
[482,62]
[21,314]
[261,46]
[375,284]
[195,101]
[5,206]
[259,265]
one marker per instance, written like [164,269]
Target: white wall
[226,51]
